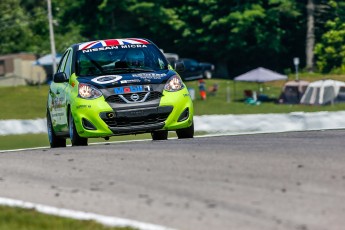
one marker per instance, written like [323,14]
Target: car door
[192,69]
[59,93]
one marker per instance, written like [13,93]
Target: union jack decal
[112,42]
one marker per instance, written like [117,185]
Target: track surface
[264,181]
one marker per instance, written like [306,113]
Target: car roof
[112,42]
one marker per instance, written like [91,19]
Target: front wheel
[54,141]
[76,140]
[186,132]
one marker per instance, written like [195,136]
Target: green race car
[117,87]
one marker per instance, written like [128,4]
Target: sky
[221,124]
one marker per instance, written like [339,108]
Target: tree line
[235,35]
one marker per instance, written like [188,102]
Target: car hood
[111,80]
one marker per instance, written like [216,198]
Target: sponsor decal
[186,95]
[57,102]
[149,75]
[133,46]
[57,114]
[107,79]
[100,49]
[132,89]
[130,81]
[112,43]
[83,106]
[113,47]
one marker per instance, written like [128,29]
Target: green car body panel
[128,101]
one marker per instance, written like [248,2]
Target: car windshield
[120,59]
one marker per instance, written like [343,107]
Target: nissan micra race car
[117,87]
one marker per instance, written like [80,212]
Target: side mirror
[179,66]
[60,77]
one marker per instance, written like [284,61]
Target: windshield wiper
[98,66]
[142,70]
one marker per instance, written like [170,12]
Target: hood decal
[106,79]
[150,76]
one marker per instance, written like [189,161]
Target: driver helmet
[135,58]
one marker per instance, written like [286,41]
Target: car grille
[125,122]
[129,98]
[137,117]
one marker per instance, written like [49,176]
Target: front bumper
[137,120]
[98,118]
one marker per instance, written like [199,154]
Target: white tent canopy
[260,75]
[324,92]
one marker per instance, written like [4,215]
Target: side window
[68,64]
[187,63]
[193,63]
[63,62]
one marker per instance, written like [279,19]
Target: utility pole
[310,42]
[51,35]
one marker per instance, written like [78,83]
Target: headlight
[88,91]
[174,84]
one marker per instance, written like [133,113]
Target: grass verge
[24,219]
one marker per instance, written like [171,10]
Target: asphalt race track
[292,180]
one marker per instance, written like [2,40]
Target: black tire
[54,141]
[76,140]
[159,135]
[207,74]
[186,132]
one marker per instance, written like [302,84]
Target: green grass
[24,219]
[23,141]
[23,102]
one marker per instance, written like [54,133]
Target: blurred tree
[318,13]
[239,35]
[230,33]
[66,32]
[236,35]
[14,27]
[330,50]
[24,27]
[38,26]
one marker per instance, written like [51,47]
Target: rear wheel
[186,132]
[159,135]
[76,140]
[54,141]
